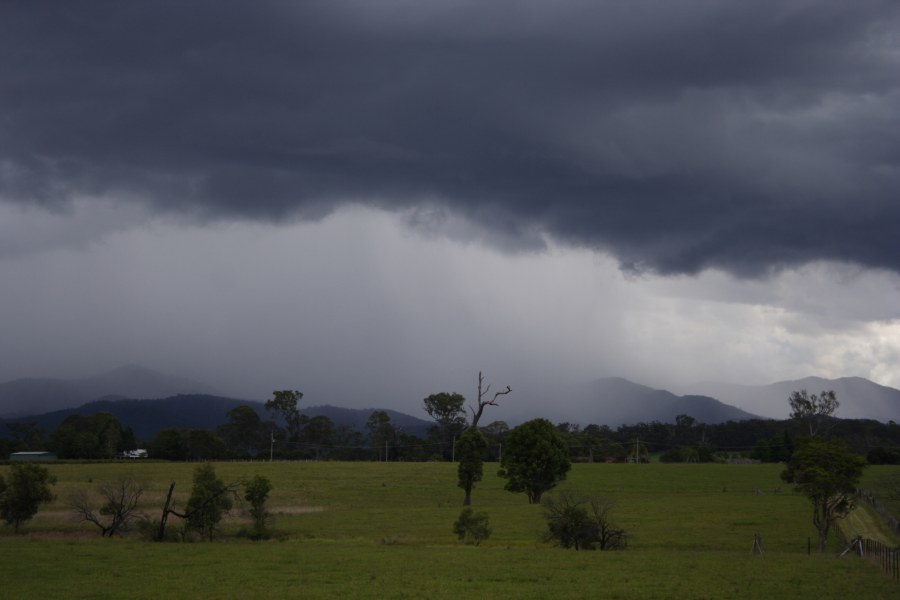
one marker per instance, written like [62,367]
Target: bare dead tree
[476,414]
[120,500]
[167,510]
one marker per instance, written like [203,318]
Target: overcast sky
[371,201]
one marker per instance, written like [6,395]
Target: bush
[256,493]
[472,527]
[27,488]
[582,522]
[210,500]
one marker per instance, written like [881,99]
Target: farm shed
[32,456]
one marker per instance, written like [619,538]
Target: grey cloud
[678,136]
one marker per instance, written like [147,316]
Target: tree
[812,409]
[535,459]
[120,499]
[495,433]
[204,445]
[470,449]
[26,435]
[284,403]
[210,500]
[582,522]
[472,527]
[95,436]
[382,433]
[449,413]
[318,433]
[256,493]
[244,433]
[599,444]
[482,403]
[826,472]
[20,497]
[169,444]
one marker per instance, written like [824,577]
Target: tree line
[289,434]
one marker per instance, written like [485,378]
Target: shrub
[27,488]
[472,527]
[256,493]
[582,522]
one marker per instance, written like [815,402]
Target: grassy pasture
[384,530]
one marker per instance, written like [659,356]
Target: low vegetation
[690,530]
[582,521]
[472,527]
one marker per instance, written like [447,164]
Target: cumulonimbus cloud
[677,136]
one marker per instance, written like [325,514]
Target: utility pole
[385,450]
[453,450]
[272,445]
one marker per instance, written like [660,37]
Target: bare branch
[476,414]
[120,500]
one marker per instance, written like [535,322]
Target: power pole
[272,445]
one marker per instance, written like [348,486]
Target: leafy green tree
[318,434]
[256,493]
[169,444]
[827,473]
[813,410]
[95,436]
[244,433]
[449,413]
[495,433]
[472,527]
[535,459]
[20,497]
[349,444]
[210,500]
[382,433]
[26,435]
[284,404]
[470,449]
[204,445]
[598,443]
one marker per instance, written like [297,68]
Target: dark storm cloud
[677,135]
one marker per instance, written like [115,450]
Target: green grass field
[384,530]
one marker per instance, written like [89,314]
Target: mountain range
[149,401]
[198,411]
[615,401]
[22,397]
[859,398]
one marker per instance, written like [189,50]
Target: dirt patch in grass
[296,510]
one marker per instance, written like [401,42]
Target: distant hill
[615,401]
[198,411]
[357,417]
[35,396]
[859,397]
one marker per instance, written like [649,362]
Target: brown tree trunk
[165,515]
